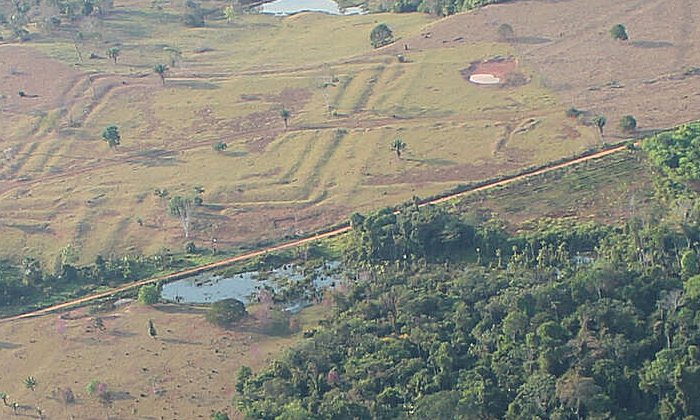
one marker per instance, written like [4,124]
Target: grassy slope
[269,183]
[187,372]
[608,190]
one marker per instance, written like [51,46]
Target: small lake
[210,288]
[290,7]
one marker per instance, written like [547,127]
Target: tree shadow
[120,396]
[180,309]
[432,162]
[192,84]
[651,44]
[121,334]
[156,158]
[4,345]
[530,40]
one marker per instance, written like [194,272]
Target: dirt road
[341,229]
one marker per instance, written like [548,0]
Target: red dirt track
[334,232]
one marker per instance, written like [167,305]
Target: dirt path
[341,229]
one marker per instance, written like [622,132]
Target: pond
[290,7]
[210,288]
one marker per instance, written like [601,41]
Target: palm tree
[161,70]
[30,383]
[111,136]
[229,13]
[285,114]
[152,329]
[600,121]
[113,53]
[175,55]
[398,146]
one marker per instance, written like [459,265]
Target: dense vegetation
[677,153]
[438,7]
[566,321]
[32,284]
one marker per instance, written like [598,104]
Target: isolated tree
[181,207]
[285,114]
[381,35]
[229,13]
[398,146]
[220,146]
[111,136]
[628,123]
[30,382]
[32,272]
[600,121]
[98,324]
[148,294]
[113,53]
[505,32]
[175,55]
[152,329]
[161,70]
[619,32]
[226,312]
[99,389]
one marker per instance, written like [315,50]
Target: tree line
[530,331]
[449,316]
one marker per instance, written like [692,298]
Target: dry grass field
[61,185]
[187,372]
[609,190]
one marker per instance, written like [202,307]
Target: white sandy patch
[484,79]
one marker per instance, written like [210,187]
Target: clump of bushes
[628,123]
[149,294]
[227,312]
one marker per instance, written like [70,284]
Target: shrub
[67,396]
[573,112]
[278,323]
[381,35]
[97,388]
[505,31]
[628,123]
[149,294]
[190,247]
[619,32]
[226,312]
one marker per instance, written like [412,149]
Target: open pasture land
[62,185]
[187,372]
[608,190]
[654,76]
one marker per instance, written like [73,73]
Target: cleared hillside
[62,185]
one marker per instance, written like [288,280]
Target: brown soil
[500,67]
[43,80]
[187,372]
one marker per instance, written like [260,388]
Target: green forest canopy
[531,330]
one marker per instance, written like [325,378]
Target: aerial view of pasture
[464,144]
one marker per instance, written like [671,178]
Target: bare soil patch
[498,66]
[44,81]
[495,71]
